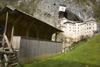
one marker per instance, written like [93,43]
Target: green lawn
[86,55]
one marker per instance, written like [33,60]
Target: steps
[13,60]
[14,64]
[10,56]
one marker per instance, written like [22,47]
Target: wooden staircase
[9,55]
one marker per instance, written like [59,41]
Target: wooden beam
[1,59]
[31,24]
[41,27]
[2,12]
[6,24]
[5,37]
[12,33]
[27,33]
[17,19]
[36,31]
[56,36]
[33,33]
[3,44]
[46,33]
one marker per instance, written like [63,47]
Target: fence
[34,49]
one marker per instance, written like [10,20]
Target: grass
[86,55]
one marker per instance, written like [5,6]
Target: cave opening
[54,4]
[69,15]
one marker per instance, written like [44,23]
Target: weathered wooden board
[35,49]
[16,42]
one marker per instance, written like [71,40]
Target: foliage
[95,32]
[82,41]
[87,37]
[29,6]
[26,6]
[86,55]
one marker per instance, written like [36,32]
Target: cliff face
[47,10]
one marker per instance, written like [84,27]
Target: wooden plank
[27,34]
[8,58]
[6,52]
[16,42]
[46,33]
[14,64]
[36,31]
[7,62]
[5,56]
[56,36]
[12,34]
[5,29]
[8,43]
[1,35]
[6,24]
[2,42]
[1,60]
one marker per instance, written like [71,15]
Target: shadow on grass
[57,63]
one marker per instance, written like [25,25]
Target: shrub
[83,40]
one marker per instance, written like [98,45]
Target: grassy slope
[86,55]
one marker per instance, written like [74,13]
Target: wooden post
[12,33]
[56,36]
[27,33]
[13,27]
[46,33]
[3,44]
[1,60]
[5,56]
[36,31]
[8,43]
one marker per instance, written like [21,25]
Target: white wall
[75,30]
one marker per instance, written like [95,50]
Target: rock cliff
[47,10]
